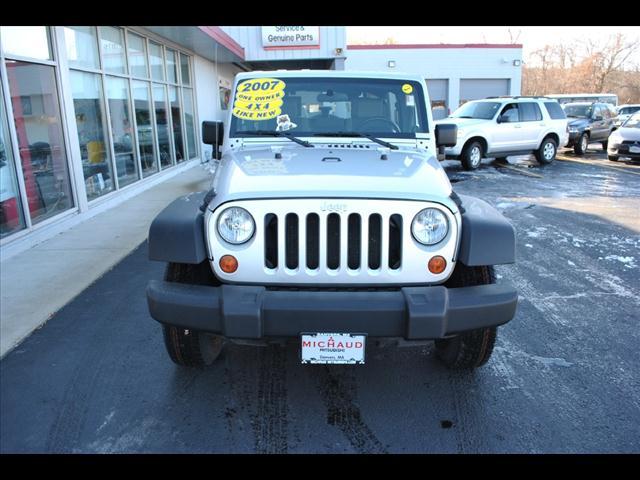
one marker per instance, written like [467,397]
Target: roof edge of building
[224,39]
[399,46]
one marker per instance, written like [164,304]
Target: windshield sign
[307,107]
[481,110]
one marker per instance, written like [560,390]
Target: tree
[585,66]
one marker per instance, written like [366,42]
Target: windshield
[578,111]
[632,122]
[628,110]
[483,110]
[306,107]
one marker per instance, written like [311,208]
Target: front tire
[605,145]
[613,158]
[470,349]
[547,151]
[188,347]
[581,145]
[471,156]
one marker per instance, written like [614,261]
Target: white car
[625,111]
[625,141]
[502,126]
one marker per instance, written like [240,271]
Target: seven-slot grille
[334,241]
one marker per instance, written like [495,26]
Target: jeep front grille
[332,242]
[340,233]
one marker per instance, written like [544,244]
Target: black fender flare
[488,238]
[177,233]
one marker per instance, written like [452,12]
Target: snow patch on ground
[628,261]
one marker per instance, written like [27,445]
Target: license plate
[332,348]
[634,149]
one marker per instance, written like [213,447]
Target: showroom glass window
[11,216]
[136,46]
[144,125]
[112,47]
[161,111]
[143,117]
[172,67]
[176,118]
[82,47]
[188,104]
[35,108]
[88,104]
[122,133]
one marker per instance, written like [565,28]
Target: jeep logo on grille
[333,207]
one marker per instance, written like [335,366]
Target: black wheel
[471,156]
[547,151]
[187,347]
[190,348]
[471,349]
[581,145]
[605,145]
[613,158]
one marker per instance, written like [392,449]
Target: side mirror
[212,134]
[598,118]
[503,119]
[446,135]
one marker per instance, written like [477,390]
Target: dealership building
[91,116]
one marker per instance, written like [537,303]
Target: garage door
[438,92]
[476,88]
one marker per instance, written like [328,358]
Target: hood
[462,122]
[323,171]
[578,122]
[632,134]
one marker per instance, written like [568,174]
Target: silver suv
[502,126]
[330,222]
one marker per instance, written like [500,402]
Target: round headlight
[236,225]
[429,226]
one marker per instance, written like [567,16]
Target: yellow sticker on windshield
[258,99]
[406,88]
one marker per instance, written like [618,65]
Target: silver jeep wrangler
[330,221]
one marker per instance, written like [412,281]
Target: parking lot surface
[563,377]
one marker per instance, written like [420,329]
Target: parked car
[625,111]
[330,228]
[589,122]
[499,127]
[625,141]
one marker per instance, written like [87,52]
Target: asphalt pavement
[564,376]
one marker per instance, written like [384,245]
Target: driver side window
[510,113]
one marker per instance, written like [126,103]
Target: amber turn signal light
[437,264]
[228,263]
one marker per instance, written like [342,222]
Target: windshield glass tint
[311,106]
[483,110]
[580,111]
[632,122]
[628,110]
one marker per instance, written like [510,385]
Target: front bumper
[622,150]
[573,138]
[250,312]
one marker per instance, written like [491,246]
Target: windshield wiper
[357,134]
[273,133]
[463,116]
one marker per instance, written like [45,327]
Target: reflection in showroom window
[42,153]
[122,130]
[11,218]
[90,120]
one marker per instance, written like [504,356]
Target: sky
[531,38]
